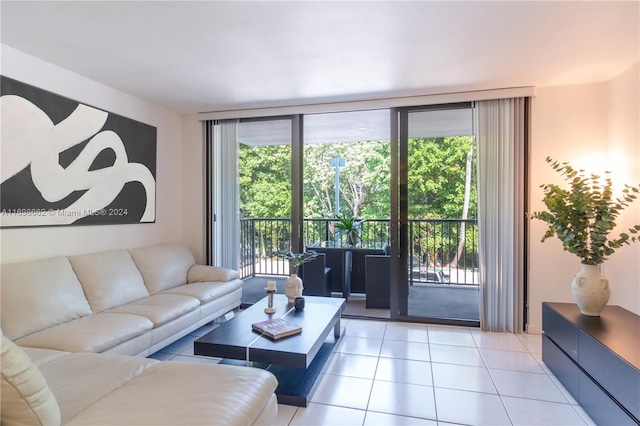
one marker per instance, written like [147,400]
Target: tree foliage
[265,181]
[436,179]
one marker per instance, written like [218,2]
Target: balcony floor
[432,300]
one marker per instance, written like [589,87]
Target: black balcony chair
[377,280]
[316,277]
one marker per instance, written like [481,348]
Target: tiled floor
[386,373]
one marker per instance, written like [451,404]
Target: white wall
[193,181]
[571,123]
[623,118]
[32,243]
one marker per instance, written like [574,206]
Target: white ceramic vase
[293,287]
[590,290]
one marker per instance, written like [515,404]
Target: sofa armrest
[205,273]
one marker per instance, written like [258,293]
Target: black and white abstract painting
[66,163]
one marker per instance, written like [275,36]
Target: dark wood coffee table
[296,361]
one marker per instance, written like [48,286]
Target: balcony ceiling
[215,55]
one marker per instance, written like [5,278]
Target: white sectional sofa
[128,302]
[68,321]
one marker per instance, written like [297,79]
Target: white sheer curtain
[501,135]
[223,174]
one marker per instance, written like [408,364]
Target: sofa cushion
[159,308]
[205,273]
[42,356]
[95,333]
[199,394]
[80,380]
[205,292]
[109,279]
[163,266]
[40,294]
[26,398]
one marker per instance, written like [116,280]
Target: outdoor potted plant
[582,217]
[348,226]
[293,285]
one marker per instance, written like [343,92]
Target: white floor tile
[404,371]
[403,399]
[344,364]
[409,362]
[343,391]
[188,351]
[462,377]
[407,332]
[501,341]
[544,367]
[285,415]
[318,414]
[360,346]
[450,336]
[461,355]
[532,412]
[383,419]
[370,329]
[406,350]
[470,408]
[533,342]
[526,385]
[510,360]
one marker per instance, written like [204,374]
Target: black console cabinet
[596,358]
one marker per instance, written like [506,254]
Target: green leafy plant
[348,226]
[297,259]
[583,216]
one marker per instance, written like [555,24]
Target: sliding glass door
[265,191]
[346,175]
[436,263]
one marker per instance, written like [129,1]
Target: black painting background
[139,141]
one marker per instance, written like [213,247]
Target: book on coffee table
[276,328]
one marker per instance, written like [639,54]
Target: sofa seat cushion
[160,308]
[109,279]
[80,380]
[199,394]
[42,356]
[95,333]
[205,292]
[163,266]
[26,398]
[40,294]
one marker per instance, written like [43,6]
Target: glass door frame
[295,162]
[399,225]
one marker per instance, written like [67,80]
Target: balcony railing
[438,254]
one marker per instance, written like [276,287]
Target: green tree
[265,181]
[364,181]
[436,177]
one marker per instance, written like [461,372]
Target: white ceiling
[219,55]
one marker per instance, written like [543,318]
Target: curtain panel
[221,186]
[501,137]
